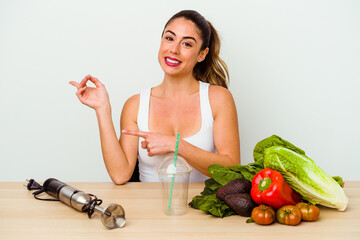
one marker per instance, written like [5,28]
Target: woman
[192,99]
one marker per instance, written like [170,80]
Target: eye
[187,44]
[169,38]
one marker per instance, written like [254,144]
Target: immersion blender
[112,216]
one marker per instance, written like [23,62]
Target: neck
[176,87]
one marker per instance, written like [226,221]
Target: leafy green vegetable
[248,171]
[212,205]
[208,202]
[259,151]
[222,174]
[270,142]
[305,177]
[211,186]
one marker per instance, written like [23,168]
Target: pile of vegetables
[281,177]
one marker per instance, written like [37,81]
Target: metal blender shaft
[112,216]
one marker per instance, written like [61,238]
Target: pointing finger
[136,133]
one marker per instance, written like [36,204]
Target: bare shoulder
[131,108]
[220,99]
[219,92]
[133,101]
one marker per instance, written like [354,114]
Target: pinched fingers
[95,81]
[85,80]
[92,79]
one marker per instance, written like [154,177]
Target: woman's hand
[155,143]
[95,98]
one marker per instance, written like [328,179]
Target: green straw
[173,177]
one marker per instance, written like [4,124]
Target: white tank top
[203,139]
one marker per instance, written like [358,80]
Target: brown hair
[213,69]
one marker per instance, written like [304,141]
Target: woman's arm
[119,157]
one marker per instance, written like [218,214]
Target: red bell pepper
[269,187]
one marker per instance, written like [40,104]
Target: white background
[294,72]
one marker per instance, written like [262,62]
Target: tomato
[289,215]
[308,211]
[263,215]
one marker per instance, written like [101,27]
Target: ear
[203,54]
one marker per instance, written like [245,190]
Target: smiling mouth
[172,62]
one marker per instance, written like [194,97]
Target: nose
[175,48]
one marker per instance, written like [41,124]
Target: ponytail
[213,69]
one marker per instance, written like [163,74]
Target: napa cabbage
[305,177]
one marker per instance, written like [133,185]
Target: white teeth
[172,61]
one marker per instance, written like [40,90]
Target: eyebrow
[186,37]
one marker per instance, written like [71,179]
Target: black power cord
[90,206]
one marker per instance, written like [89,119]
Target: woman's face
[180,48]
